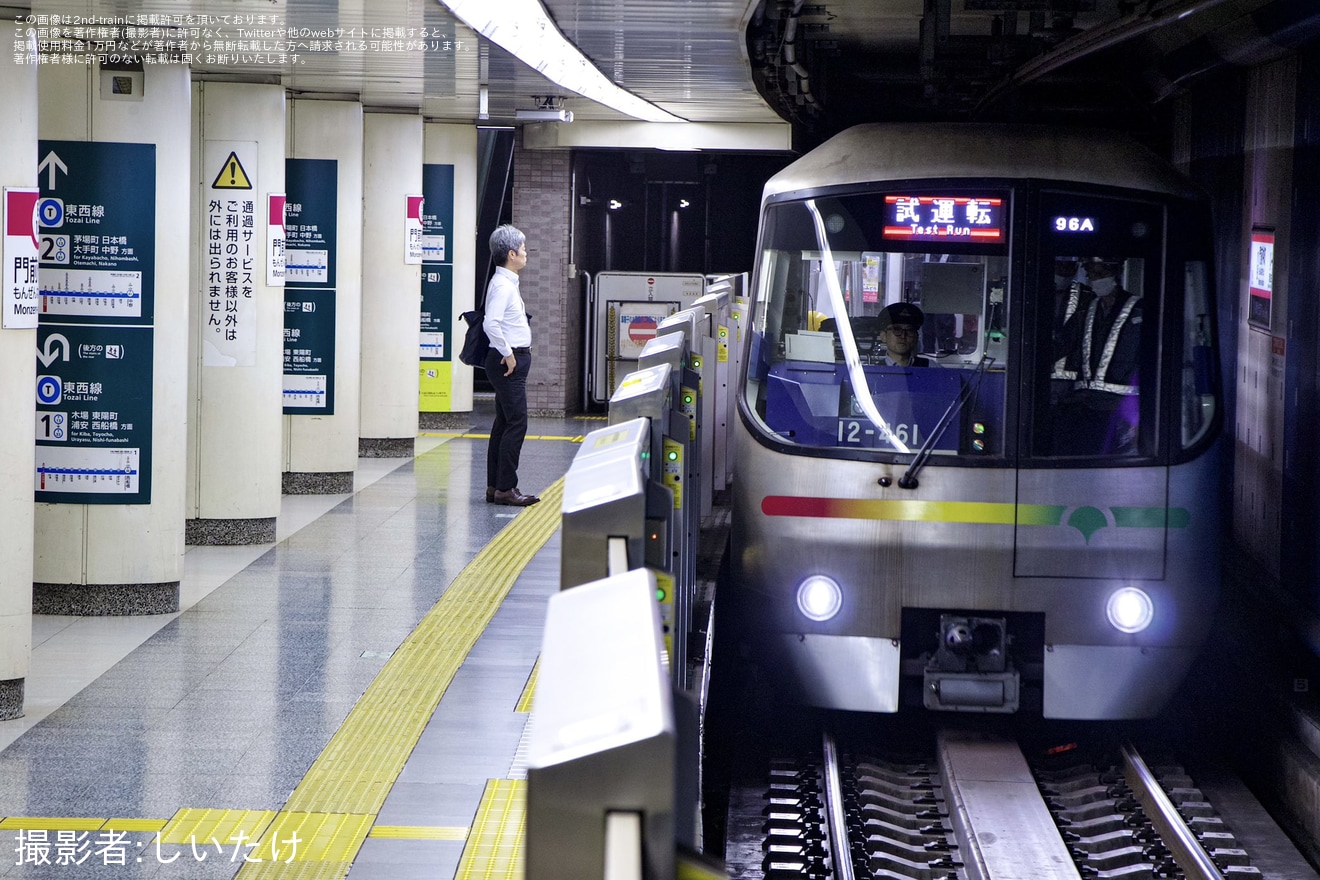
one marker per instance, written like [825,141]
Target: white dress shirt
[506,316]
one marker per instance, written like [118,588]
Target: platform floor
[351,699]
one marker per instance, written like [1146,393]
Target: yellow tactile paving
[332,811]
[525,701]
[316,837]
[419,832]
[495,845]
[224,826]
[357,768]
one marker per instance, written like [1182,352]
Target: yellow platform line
[525,701]
[494,846]
[51,823]
[419,832]
[574,438]
[206,827]
[354,773]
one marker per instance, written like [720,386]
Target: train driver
[900,326]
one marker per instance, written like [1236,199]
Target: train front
[976,459]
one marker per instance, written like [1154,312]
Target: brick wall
[542,209]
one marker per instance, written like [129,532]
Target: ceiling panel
[822,64]
[414,55]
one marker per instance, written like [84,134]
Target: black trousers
[510,427]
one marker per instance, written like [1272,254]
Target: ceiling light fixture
[522,28]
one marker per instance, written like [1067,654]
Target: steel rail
[1177,836]
[835,818]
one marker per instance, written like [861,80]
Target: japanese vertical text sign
[1260,291]
[20,259]
[95,338]
[229,254]
[276,257]
[309,289]
[412,231]
[437,329]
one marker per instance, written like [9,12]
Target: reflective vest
[1097,379]
[1061,370]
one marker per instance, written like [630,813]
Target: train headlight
[1129,610]
[819,598]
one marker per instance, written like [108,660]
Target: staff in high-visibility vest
[1071,301]
[1104,406]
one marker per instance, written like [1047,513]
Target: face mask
[1103,286]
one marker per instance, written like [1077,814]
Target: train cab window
[865,341]
[1098,330]
[1199,386]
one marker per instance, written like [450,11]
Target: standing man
[507,364]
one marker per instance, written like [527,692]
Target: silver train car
[977,452]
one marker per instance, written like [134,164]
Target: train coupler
[971,671]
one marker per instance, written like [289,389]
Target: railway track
[974,808]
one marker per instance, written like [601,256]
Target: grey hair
[504,239]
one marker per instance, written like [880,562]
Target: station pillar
[391,285]
[114,174]
[236,372]
[322,296]
[18,345]
[450,266]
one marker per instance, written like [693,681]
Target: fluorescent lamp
[522,28]
[543,115]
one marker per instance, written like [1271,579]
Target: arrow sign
[49,164]
[48,356]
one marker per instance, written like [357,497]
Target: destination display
[944,218]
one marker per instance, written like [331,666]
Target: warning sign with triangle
[232,175]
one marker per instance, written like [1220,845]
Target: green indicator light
[696,363]
[687,398]
[978,428]
[673,456]
[659,594]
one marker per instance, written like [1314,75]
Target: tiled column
[18,147]
[321,449]
[391,287]
[119,557]
[238,319]
[456,146]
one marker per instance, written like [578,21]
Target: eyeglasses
[902,331]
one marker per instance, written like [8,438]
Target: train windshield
[881,323]
[885,323]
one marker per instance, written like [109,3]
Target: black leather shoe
[490,494]
[515,498]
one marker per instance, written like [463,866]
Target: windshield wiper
[909,478]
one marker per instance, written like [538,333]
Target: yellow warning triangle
[232,175]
